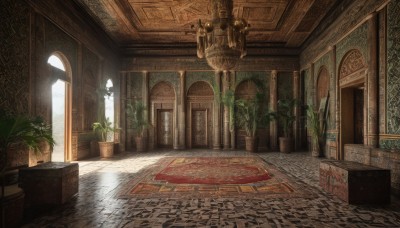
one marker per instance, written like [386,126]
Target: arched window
[60,93]
[109,101]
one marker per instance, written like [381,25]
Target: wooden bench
[355,183]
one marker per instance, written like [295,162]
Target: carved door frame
[200,96]
[352,75]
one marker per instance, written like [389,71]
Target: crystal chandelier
[222,41]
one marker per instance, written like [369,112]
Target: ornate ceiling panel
[279,23]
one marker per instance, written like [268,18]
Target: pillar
[217,113]
[225,88]
[233,133]
[182,111]
[122,114]
[372,83]
[145,99]
[273,102]
[296,110]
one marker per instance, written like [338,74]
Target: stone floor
[97,204]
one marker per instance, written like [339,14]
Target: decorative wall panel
[308,87]
[14,58]
[134,85]
[90,67]
[393,68]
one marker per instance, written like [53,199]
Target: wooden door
[164,128]
[199,128]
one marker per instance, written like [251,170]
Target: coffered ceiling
[274,23]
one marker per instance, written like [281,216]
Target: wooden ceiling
[274,23]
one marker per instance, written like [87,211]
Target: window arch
[109,101]
[60,75]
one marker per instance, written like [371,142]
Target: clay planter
[285,144]
[251,144]
[140,144]
[106,149]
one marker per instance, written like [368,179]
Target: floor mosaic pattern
[99,204]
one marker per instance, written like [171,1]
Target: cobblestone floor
[97,204]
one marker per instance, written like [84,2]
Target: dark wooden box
[51,183]
[355,183]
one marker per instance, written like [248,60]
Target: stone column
[145,98]
[273,103]
[122,113]
[233,133]
[372,83]
[296,111]
[182,111]
[217,114]
[225,87]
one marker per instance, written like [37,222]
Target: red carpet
[191,177]
[213,171]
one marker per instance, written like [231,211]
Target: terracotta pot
[285,144]
[106,149]
[140,144]
[251,144]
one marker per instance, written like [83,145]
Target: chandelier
[222,41]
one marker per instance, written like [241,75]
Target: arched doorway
[200,98]
[352,74]
[61,107]
[162,98]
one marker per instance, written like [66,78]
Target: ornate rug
[212,176]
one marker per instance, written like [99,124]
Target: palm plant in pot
[248,117]
[315,130]
[103,128]
[286,117]
[19,132]
[138,120]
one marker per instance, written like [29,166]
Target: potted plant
[103,128]
[138,120]
[286,117]
[248,117]
[22,132]
[315,130]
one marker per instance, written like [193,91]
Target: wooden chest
[51,183]
[355,183]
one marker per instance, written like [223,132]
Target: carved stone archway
[162,116]
[199,121]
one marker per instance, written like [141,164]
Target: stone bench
[51,183]
[355,183]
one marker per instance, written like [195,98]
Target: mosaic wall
[134,85]
[14,58]
[194,76]
[393,68]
